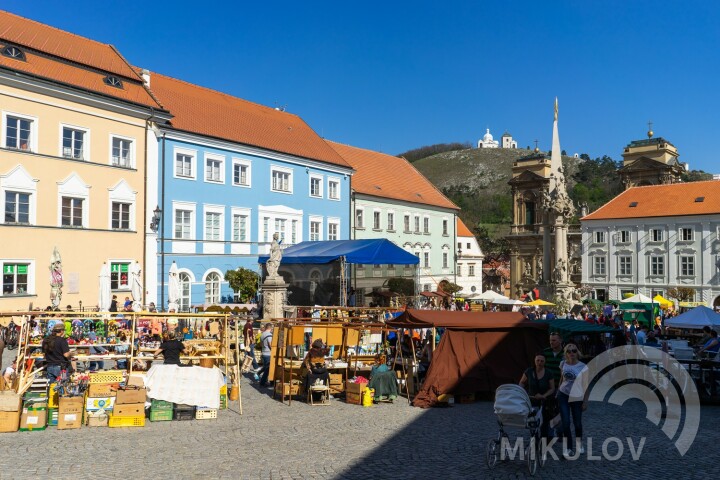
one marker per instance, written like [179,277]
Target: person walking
[266,342]
[570,370]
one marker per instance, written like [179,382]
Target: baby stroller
[513,409]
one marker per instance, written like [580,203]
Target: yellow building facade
[72,169]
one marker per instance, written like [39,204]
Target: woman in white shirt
[570,370]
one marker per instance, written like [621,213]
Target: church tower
[651,161]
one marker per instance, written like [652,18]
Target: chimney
[146,76]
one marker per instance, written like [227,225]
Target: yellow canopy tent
[664,302]
[540,303]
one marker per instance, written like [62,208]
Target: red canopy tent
[478,352]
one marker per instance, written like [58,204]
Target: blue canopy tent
[696,318]
[335,252]
[372,252]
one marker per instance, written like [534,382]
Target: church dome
[487,137]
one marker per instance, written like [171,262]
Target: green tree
[403,286]
[682,294]
[244,282]
[449,287]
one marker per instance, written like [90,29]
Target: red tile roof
[208,112]
[462,229]
[69,59]
[383,175]
[44,38]
[678,199]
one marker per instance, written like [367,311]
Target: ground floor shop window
[15,278]
[119,276]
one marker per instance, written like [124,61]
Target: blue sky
[391,76]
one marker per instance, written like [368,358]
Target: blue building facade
[222,201]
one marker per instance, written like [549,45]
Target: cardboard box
[336,379]
[10,402]
[287,389]
[355,388]
[129,410]
[136,380]
[33,418]
[353,398]
[130,396]
[94,420]
[71,405]
[98,390]
[337,389]
[9,421]
[68,421]
[93,404]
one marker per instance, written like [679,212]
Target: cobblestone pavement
[276,441]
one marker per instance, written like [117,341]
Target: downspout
[162,228]
[145,179]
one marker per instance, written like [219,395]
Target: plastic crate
[53,398]
[161,415]
[52,417]
[206,413]
[223,402]
[161,405]
[107,376]
[223,390]
[184,415]
[115,422]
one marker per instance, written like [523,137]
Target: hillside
[476,180]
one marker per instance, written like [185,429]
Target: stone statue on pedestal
[274,287]
[273,263]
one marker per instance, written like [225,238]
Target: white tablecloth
[197,386]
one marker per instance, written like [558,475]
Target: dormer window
[13,52]
[113,81]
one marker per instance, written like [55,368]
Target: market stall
[478,351]
[104,383]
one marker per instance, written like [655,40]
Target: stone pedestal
[274,297]
[565,290]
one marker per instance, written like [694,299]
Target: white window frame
[315,219]
[416,223]
[426,225]
[471,269]
[320,183]
[122,193]
[360,225]
[426,259]
[30,275]
[131,152]
[218,298]
[193,154]
[244,212]
[214,157]
[681,234]
[293,231]
[86,142]
[336,181]
[121,287]
[285,170]
[185,206]
[35,125]
[215,210]
[243,163]
[184,301]
[624,233]
[625,265]
[391,221]
[445,259]
[658,268]
[377,219]
[660,233]
[18,180]
[596,264]
[599,237]
[74,186]
[335,222]
[407,222]
[445,227]
[691,266]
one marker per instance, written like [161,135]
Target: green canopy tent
[644,313]
[567,328]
